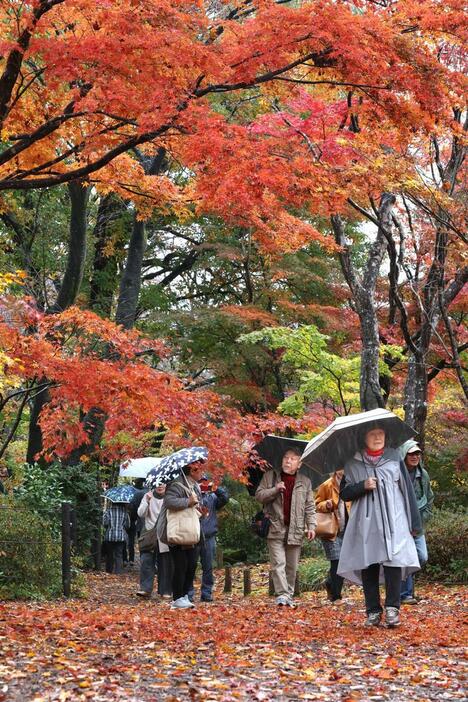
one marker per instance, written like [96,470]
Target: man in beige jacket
[289,503]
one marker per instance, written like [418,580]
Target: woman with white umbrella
[378,538]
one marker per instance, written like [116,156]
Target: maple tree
[89,365]
[266,116]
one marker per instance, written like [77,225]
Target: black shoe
[329,590]
[206,599]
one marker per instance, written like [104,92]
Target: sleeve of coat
[427,514]
[173,499]
[264,493]
[143,508]
[321,498]
[310,515]
[351,491]
[414,516]
[222,497]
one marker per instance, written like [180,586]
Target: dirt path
[112,646]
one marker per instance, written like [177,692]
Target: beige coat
[302,507]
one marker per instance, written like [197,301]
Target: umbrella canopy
[138,467]
[272,449]
[120,493]
[170,467]
[330,449]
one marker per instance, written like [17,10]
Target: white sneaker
[181,603]
[187,599]
[282,601]
[291,603]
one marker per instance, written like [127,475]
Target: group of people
[174,564]
[381,499]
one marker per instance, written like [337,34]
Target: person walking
[158,559]
[289,503]
[211,502]
[328,500]
[412,456]
[382,519]
[115,521]
[182,493]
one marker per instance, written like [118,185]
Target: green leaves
[316,373]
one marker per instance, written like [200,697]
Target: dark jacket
[213,501]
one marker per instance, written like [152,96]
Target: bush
[447,543]
[313,572]
[44,489]
[30,554]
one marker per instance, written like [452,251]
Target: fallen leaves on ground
[112,646]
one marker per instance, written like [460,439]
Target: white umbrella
[330,449]
[138,467]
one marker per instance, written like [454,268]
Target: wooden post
[228,579]
[297,586]
[66,549]
[219,557]
[247,582]
[96,542]
[271,587]
[73,530]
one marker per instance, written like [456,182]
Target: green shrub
[30,554]
[313,572]
[235,537]
[44,489]
[447,543]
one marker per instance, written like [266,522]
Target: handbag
[148,540]
[327,525]
[183,525]
[260,524]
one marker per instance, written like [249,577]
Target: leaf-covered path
[113,647]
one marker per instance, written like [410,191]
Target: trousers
[370,583]
[184,561]
[407,586]
[284,561]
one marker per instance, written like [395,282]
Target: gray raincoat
[381,520]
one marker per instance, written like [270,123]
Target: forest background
[219,220]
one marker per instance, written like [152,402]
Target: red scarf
[374,454]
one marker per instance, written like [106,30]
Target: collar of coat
[390,454]
[299,476]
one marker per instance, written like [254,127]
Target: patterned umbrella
[170,467]
[120,493]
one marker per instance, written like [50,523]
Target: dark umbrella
[271,450]
[170,467]
[120,493]
[329,450]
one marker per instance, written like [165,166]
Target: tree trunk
[369,383]
[363,296]
[67,295]
[415,402]
[73,276]
[108,242]
[130,283]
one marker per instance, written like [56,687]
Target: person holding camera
[211,502]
